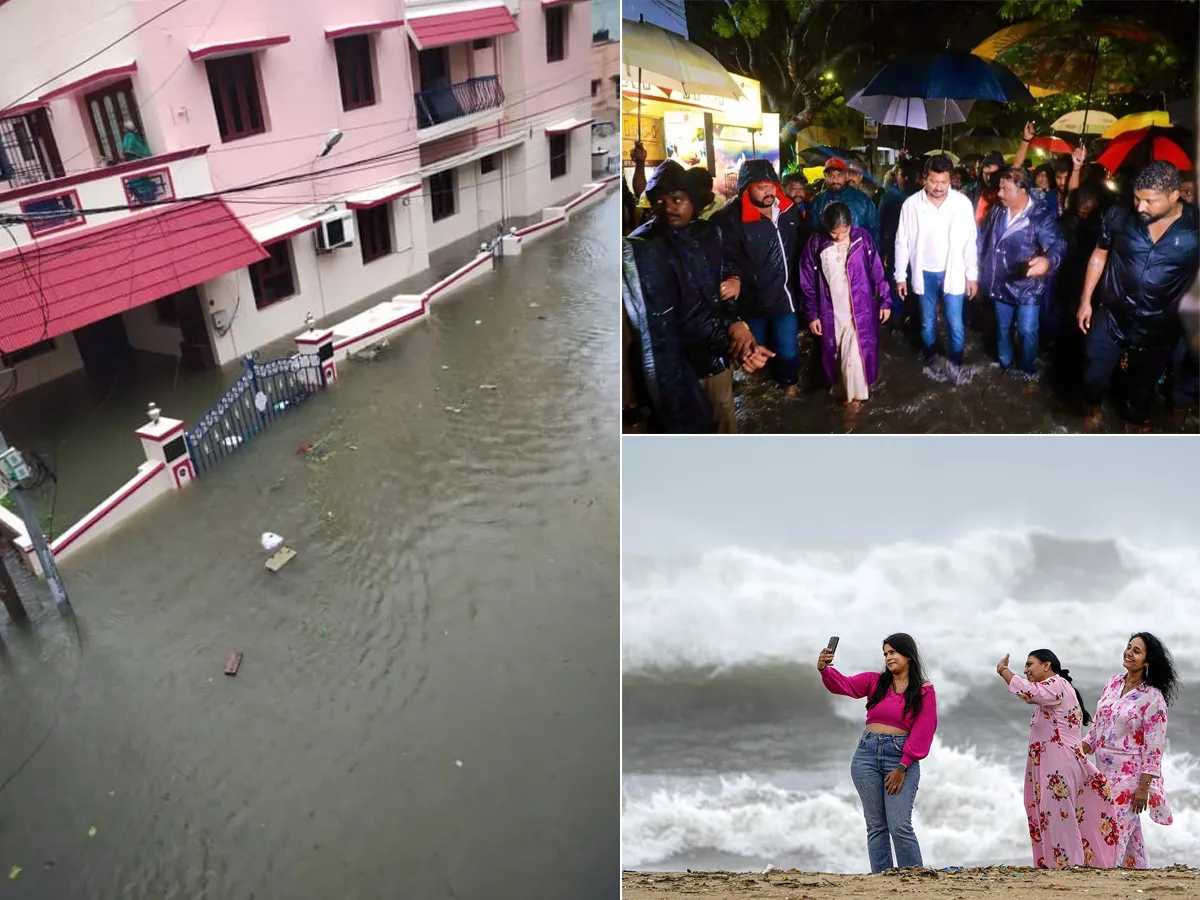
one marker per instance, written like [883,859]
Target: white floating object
[479,321]
[488,387]
[458,762]
[271,542]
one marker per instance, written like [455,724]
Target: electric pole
[14,470]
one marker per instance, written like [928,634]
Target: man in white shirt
[937,235]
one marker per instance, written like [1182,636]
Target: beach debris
[234,663]
[770,868]
[14,873]
[271,541]
[92,831]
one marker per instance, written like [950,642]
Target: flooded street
[913,398]
[454,600]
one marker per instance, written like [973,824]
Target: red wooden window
[273,279]
[108,108]
[488,164]
[234,85]
[559,145]
[356,73]
[375,231]
[556,33]
[148,187]
[443,195]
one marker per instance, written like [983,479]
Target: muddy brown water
[454,600]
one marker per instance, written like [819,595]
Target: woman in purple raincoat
[846,297]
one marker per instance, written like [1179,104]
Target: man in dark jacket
[1020,244]
[1144,261]
[763,236]
[676,262]
[838,190]
[907,174]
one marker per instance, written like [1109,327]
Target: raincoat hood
[754,171]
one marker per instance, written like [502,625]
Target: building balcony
[81,201]
[455,108]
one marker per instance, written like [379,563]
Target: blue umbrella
[948,76]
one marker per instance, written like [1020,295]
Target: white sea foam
[968,602]
[969,811]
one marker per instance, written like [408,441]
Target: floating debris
[92,831]
[14,873]
[458,762]
[535,306]
[479,321]
[234,663]
[488,387]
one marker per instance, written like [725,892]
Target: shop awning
[99,272]
[381,193]
[567,125]
[486,21]
[281,229]
[90,82]
[361,28]
[235,48]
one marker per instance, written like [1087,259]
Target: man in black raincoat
[682,338]
[763,236]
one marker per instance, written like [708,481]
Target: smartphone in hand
[832,645]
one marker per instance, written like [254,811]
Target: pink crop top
[890,710]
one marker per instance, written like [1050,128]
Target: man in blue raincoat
[838,190]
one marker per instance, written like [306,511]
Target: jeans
[953,305]
[1026,318]
[1102,355]
[889,816]
[784,333]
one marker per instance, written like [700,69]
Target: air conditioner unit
[333,231]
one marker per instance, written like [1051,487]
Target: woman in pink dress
[1072,818]
[1127,737]
[886,768]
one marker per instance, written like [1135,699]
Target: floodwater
[912,397]
[428,703]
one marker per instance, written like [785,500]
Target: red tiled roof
[95,273]
[454,28]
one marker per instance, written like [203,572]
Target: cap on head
[834,163]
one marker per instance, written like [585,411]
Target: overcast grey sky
[777,492]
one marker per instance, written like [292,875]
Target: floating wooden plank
[234,663]
[281,557]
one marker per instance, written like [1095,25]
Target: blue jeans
[780,334]
[1027,329]
[889,816]
[953,305]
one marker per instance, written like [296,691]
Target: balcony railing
[454,101]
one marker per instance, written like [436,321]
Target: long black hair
[906,647]
[1160,667]
[836,215]
[1047,656]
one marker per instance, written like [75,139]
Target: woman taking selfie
[1128,735]
[1072,819]
[886,768]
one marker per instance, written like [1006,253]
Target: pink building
[303,157]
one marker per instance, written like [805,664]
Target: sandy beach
[996,882]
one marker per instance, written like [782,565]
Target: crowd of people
[1079,813]
[1057,255]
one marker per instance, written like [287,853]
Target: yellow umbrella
[814,173]
[1136,122]
[1005,38]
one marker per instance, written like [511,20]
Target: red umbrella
[1136,148]
[1051,144]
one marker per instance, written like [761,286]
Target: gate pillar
[315,347]
[163,441]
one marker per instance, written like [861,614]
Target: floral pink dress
[1072,818]
[1127,737]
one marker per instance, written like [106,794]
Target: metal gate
[262,393]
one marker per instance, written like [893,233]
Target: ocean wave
[967,601]
[968,812]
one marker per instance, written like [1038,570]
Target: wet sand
[997,882]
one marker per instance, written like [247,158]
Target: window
[443,195]
[355,71]
[27,144]
[481,44]
[273,278]
[559,145]
[108,108]
[488,164]
[52,213]
[234,85]
[596,82]
[375,231]
[41,348]
[149,187]
[616,83]
[434,67]
[556,33]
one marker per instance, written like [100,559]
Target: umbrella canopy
[1051,145]
[913,112]
[1136,148]
[1005,38]
[1076,54]
[1073,123]
[653,54]
[987,137]
[951,76]
[817,154]
[954,159]
[1136,122]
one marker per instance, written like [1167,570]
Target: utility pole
[15,471]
